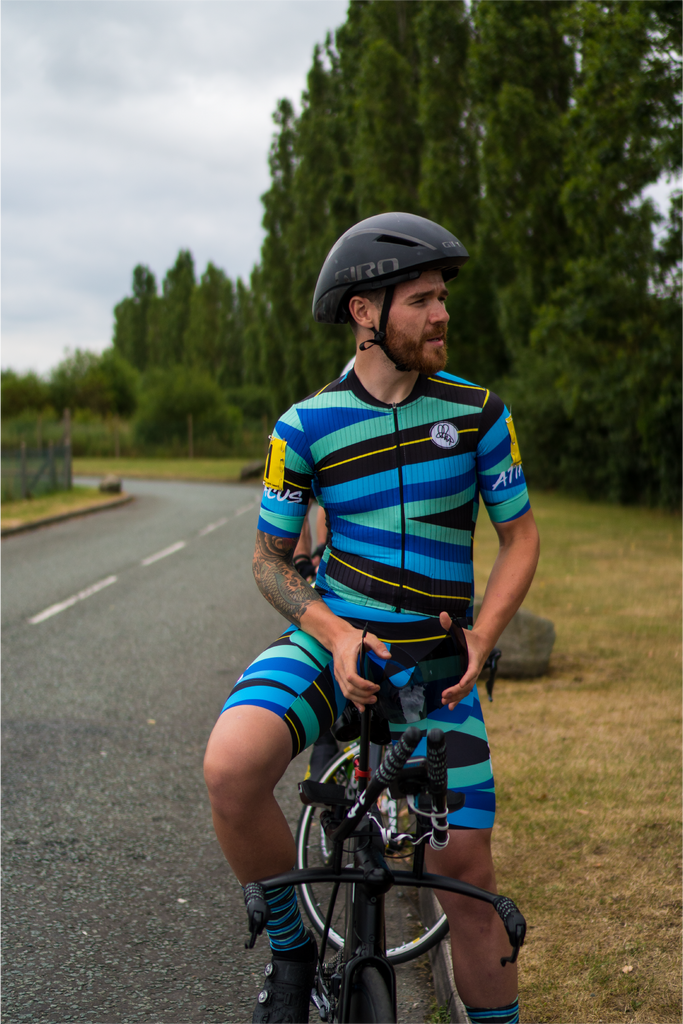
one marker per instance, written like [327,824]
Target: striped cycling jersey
[400,484]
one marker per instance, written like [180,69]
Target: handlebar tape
[437,772]
[385,774]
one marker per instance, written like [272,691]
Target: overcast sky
[130,130]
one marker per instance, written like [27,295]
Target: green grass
[438,1014]
[162,469]
[587,767]
[18,513]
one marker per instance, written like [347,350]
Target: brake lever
[492,663]
[361,652]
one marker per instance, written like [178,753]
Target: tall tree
[387,139]
[131,319]
[178,286]
[209,341]
[323,208]
[279,352]
[522,72]
[449,182]
[603,371]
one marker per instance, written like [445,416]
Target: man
[398,452]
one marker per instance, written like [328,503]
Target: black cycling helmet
[380,251]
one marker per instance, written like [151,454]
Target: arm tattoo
[278,580]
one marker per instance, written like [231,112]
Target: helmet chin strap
[380,338]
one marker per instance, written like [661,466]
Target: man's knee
[246,756]
[467,857]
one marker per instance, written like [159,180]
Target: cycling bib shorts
[294,679]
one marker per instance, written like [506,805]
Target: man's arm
[278,580]
[293,597]
[508,583]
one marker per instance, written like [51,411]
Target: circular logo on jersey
[444,435]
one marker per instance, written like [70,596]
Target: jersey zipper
[399,466]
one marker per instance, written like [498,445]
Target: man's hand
[478,651]
[509,581]
[345,651]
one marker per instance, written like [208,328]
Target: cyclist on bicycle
[398,452]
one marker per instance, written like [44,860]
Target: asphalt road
[118,905]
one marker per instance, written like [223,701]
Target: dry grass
[163,469]
[587,765]
[17,513]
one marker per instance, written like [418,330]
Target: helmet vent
[396,240]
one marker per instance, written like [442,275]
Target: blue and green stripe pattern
[401,485]
[501,1015]
[285,926]
[294,679]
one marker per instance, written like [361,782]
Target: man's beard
[412,355]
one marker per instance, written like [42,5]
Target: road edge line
[35,524]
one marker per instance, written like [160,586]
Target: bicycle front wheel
[406,938]
[370,999]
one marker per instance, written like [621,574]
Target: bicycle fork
[365,938]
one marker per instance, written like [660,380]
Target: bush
[168,397]
[105,384]
[253,401]
[23,393]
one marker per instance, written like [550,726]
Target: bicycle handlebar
[510,915]
[381,778]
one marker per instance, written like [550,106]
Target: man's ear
[361,309]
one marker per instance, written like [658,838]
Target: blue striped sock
[501,1015]
[285,928]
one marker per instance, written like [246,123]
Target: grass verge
[163,469]
[587,766]
[438,1014]
[19,513]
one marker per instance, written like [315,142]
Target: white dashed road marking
[54,609]
[171,550]
[211,527]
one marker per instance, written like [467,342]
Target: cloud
[131,130]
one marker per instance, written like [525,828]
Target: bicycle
[358,982]
[312,847]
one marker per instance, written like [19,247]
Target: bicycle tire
[370,1000]
[311,851]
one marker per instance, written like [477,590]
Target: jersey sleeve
[499,467]
[287,489]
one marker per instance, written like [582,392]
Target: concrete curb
[441,962]
[34,524]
